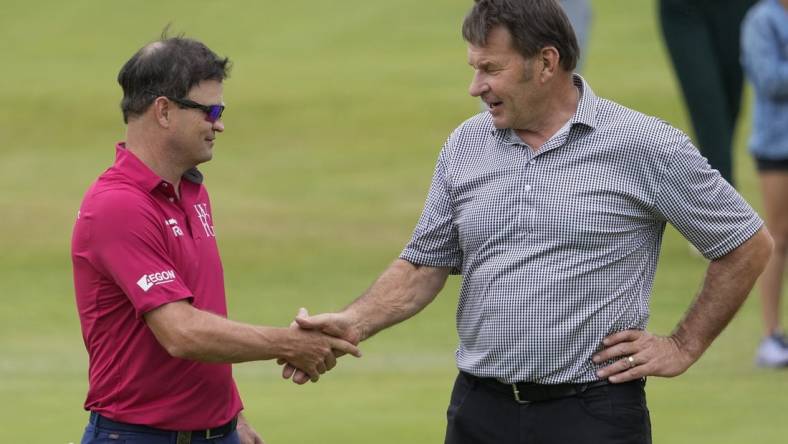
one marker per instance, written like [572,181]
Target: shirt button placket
[526,199]
[532,198]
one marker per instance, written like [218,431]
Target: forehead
[499,45]
[207,91]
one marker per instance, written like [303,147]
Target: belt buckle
[183,438]
[209,436]
[517,395]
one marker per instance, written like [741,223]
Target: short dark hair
[533,24]
[170,66]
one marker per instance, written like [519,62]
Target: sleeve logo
[149,280]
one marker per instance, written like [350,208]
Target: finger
[321,367]
[288,371]
[344,346]
[280,361]
[622,336]
[314,375]
[620,366]
[331,362]
[621,349]
[300,377]
[631,374]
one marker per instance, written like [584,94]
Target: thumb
[301,313]
[310,322]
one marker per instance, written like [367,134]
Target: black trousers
[610,414]
[702,37]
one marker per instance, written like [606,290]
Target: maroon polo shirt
[135,247]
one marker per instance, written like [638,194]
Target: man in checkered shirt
[552,205]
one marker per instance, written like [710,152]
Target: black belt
[528,392]
[182,437]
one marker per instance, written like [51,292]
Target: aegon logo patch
[149,280]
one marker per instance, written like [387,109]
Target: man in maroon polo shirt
[147,272]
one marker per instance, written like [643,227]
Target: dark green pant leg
[725,25]
[702,39]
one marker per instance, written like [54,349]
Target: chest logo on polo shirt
[149,280]
[205,219]
[176,230]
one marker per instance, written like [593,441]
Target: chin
[204,158]
[500,123]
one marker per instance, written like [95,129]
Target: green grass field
[336,112]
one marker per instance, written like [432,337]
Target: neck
[560,105]
[153,152]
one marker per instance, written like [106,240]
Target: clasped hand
[325,338]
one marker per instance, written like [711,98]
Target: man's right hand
[339,325]
[313,351]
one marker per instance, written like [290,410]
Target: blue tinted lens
[215,113]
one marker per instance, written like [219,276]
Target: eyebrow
[484,64]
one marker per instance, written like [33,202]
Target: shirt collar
[584,114]
[586,108]
[133,168]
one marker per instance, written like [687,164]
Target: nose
[218,126]
[478,85]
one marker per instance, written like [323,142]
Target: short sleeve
[703,206]
[125,241]
[435,240]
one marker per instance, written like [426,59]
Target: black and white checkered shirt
[558,247]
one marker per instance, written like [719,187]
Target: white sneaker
[773,352]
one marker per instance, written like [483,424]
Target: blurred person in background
[147,274]
[552,205]
[702,37]
[580,16]
[764,48]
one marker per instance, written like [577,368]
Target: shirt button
[532,162]
[164,184]
[172,199]
[527,188]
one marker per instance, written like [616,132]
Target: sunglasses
[212,112]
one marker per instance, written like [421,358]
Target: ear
[548,61]
[161,111]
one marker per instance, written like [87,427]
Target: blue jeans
[102,434]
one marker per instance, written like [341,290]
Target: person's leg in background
[725,20]
[773,352]
[693,50]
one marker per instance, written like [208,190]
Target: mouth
[493,105]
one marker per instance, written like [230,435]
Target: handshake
[315,344]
